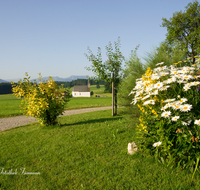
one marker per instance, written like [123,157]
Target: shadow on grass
[60,125]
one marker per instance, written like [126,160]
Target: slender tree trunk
[115,101]
[113,97]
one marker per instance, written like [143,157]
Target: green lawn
[84,102]
[86,151]
[9,104]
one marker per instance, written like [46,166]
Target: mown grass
[99,91]
[9,104]
[86,151]
[84,102]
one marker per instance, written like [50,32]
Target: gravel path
[11,122]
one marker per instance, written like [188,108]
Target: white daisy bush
[169,101]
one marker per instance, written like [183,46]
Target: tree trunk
[115,101]
[113,97]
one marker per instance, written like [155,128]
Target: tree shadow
[60,125]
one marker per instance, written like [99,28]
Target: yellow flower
[175,64]
[189,58]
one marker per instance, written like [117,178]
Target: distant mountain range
[2,81]
[71,78]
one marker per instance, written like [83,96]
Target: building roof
[81,88]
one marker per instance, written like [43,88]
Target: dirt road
[11,122]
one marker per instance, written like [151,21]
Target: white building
[81,91]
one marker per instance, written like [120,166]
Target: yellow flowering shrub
[44,100]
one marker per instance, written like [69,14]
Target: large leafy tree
[185,27]
[110,70]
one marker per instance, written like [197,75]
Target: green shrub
[44,101]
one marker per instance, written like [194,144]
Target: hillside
[2,81]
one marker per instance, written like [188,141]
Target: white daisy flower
[170,100]
[178,76]
[184,70]
[159,63]
[182,100]
[195,83]
[156,77]
[164,88]
[186,87]
[174,72]
[163,109]
[163,73]
[185,107]
[184,123]
[158,85]
[176,107]
[168,81]
[157,144]
[149,102]
[187,77]
[167,106]
[175,118]
[158,69]
[197,122]
[145,97]
[166,114]
[148,89]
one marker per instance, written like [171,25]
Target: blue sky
[51,36]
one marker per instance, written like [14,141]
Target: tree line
[6,88]
[79,82]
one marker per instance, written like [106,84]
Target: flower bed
[169,102]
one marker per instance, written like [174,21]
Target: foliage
[169,100]
[79,82]
[44,101]
[165,53]
[185,27]
[108,87]
[98,86]
[113,64]
[5,88]
[133,70]
[110,70]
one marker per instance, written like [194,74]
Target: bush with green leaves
[43,100]
[169,99]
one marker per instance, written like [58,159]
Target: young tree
[185,27]
[110,69]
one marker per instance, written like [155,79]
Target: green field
[86,151]
[9,104]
